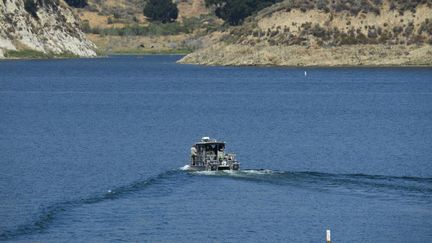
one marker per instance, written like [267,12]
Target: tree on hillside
[161,10]
[235,11]
[31,7]
[77,3]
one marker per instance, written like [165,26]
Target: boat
[209,155]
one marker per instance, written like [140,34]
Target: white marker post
[328,236]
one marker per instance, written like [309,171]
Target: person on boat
[221,154]
[193,154]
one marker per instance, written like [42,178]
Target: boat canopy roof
[208,141]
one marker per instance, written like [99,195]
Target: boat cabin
[209,154]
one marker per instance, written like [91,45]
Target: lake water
[91,150]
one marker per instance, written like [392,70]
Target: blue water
[91,151]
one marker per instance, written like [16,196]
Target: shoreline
[155,53]
[220,65]
[210,64]
[372,55]
[35,55]
[311,66]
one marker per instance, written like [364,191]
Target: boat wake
[185,168]
[415,189]
[49,214]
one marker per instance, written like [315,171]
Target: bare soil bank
[348,55]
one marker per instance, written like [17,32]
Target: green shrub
[318,31]
[31,7]
[190,24]
[397,30]
[426,26]
[409,29]
[153,29]
[384,37]
[32,54]
[346,39]
[322,4]
[26,54]
[362,38]
[161,10]
[85,26]
[235,11]
[77,3]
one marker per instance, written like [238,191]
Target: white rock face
[54,29]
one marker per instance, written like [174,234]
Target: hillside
[50,28]
[327,33]
[119,26]
[119,13]
[41,29]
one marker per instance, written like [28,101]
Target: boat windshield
[211,147]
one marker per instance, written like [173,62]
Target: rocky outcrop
[327,33]
[47,26]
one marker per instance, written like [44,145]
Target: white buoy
[109,191]
[305,73]
[328,236]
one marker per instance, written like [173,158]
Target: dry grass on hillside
[140,44]
[288,23]
[191,8]
[295,55]
[305,33]
[119,26]
[344,21]
[119,13]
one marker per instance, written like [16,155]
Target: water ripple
[417,188]
[379,185]
[48,215]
